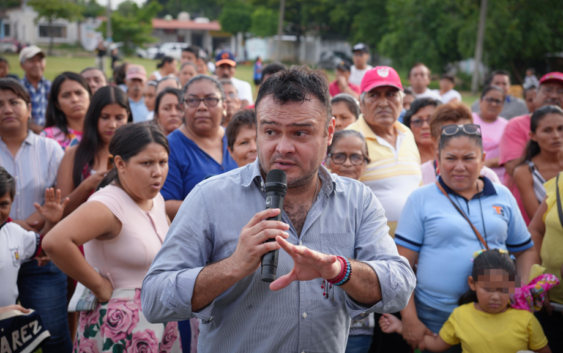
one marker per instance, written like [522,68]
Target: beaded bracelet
[342,273]
[348,274]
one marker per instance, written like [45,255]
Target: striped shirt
[346,220]
[39,98]
[35,168]
[394,171]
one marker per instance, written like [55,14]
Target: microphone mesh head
[276,176]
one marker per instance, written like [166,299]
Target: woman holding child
[444,223]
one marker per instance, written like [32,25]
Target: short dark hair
[119,74]
[4,60]
[192,49]
[166,78]
[164,60]
[448,77]
[489,88]
[272,69]
[94,68]
[408,92]
[350,102]
[529,89]
[7,184]
[416,105]
[11,84]
[418,65]
[297,85]
[495,73]
[242,118]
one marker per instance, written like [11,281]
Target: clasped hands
[308,264]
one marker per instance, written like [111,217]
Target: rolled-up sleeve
[375,247]
[167,290]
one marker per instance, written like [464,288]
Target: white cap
[30,52]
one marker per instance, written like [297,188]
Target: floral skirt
[119,326]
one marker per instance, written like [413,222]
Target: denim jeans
[185,335]
[43,289]
[358,344]
[434,319]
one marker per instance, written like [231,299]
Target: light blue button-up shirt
[346,219]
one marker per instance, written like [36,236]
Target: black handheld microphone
[276,187]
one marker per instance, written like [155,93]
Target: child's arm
[52,210]
[435,343]
[544,350]
[390,324]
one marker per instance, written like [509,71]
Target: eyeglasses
[491,100]
[340,158]
[469,129]
[549,91]
[232,95]
[208,101]
[420,122]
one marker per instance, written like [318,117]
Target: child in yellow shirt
[484,322]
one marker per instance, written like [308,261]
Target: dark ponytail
[533,148]
[488,260]
[165,60]
[130,140]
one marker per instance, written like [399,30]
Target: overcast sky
[114,3]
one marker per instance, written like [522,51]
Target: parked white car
[171,49]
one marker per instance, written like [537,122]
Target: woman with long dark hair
[168,66]
[543,157]
[85,165]
[122,227]
[66,108]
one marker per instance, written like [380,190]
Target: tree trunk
[297,58]
[479,47]
[51,37]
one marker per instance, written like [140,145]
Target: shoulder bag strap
[464,216]
[559,209]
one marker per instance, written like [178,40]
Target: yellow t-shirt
[552,246]
[481,332]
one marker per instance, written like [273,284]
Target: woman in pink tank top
[122,227]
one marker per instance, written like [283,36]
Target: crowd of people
[411,221]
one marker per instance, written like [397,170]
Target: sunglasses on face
[491,100]
[340,158]
[420,122]
[469,129]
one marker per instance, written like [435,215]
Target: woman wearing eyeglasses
[198,149]
[417,118]
[492,125]
[347,156]
[444,223]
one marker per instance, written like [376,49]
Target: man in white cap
[360,67]
[32,61]
[135,80]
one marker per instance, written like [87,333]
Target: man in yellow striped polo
[394,171]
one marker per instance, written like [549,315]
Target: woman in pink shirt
[492,125]
[122,227]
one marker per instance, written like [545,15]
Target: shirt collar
[488,188]
[30,139]
[251,173]
[41,81]
[368,133]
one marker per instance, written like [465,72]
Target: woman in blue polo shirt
[433,231]
[198,148]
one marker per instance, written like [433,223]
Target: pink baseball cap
[381,76]
[136,71]
[552,76]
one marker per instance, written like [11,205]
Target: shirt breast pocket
[341,244]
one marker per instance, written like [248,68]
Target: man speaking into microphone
[336,259]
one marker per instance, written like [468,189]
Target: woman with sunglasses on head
[448,114]
[198,148]
[67,106]
[444,223]
[417,118]
[347,156]
[492,125]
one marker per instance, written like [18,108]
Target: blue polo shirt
[430,225]
[189,164]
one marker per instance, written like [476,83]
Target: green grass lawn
[58,64]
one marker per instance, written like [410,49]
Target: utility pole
[479,47]
[109,34]
[280,30]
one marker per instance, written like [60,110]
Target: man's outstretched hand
[308,264]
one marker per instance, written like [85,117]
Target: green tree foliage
[196,8]
[132,24]
[91,8]
[50,10]
[264,22]
[236,17]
